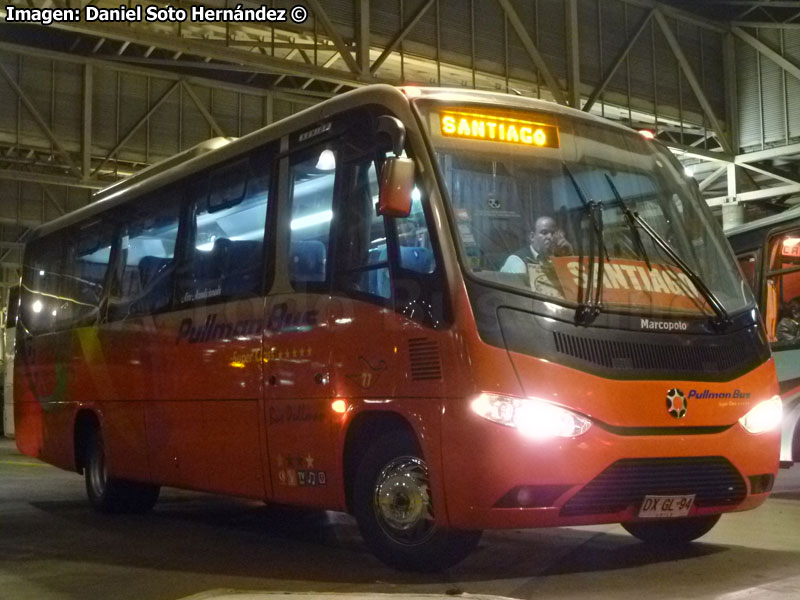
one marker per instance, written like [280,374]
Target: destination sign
[494,128]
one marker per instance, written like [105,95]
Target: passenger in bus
[545,241]
[788,329]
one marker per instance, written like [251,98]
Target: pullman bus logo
[676,403]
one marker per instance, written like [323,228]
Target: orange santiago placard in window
[495,128]
[630,283]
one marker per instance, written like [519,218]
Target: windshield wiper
[590,301]
[630,219]
[723,318]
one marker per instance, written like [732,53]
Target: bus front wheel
[108,494]
[671,531]
[395,512]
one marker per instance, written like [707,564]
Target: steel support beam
[392,45]
[212,49]
[760,47]
[337,40]
[731,91]
[48,179]
[765,25]
[39,120]
[693,81]
[769,153]
[784,190]
[769,173]
[573,53]
[532,51]
[362,37]
[617,62]
[720,157]
[138,124]
[86,134]
[203,110]
[713,177]
[680,15]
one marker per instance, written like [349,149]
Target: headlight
[532,417]
[764,416]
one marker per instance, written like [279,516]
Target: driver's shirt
[516,264]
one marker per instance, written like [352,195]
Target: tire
[671,532]
[108,494]
[395,513]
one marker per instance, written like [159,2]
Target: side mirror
[397,182]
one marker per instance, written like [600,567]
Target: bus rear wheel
[671,532]
[395,512]
[108,494]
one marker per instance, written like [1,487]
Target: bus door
[782,316]
[297,341]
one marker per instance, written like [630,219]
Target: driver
[545,241]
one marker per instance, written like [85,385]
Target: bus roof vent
[426,364]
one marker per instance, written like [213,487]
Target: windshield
[538,197]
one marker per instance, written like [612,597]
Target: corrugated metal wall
[769,98]
[604,26]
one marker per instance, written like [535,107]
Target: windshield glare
[522,223]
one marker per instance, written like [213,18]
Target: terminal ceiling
[85,104]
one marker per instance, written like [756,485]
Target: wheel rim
[97,469]
[402,501]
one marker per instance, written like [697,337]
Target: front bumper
[588,480]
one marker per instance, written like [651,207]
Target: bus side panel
[302,429]
[121,369]
[387,363]
[209,394]
[44,403]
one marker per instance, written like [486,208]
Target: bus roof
[211,152]
[163,165]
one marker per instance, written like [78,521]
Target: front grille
[713,480]
[681,358]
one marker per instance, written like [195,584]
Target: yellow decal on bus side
[498,129]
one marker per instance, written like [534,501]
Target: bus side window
[88,257]
[312,178]
[362,258]
[747,263]
[414,240]
[418,284]
[225,257]
[42,281]
[783,289]
[147,254]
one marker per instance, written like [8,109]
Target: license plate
[665,507]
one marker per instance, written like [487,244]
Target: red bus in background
[768,251]
[441,311]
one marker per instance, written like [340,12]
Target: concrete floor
[52,546]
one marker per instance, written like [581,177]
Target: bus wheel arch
[365,428]
[391,500]
[86,422]
[107,494]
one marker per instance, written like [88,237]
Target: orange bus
[442,311]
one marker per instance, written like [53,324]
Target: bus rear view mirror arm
[393,128]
